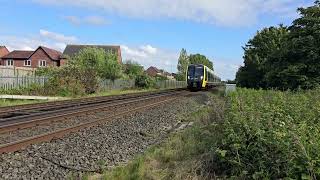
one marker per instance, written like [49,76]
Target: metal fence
[16,82]
[171,84]
[117,84]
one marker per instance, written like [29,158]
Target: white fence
[6,71]
[8,83]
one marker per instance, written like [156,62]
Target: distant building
[3,51]
[41,57]
[153,72]
[72,50]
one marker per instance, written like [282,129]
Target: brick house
[3,51]
[153,71]
[41,57]
[72,50]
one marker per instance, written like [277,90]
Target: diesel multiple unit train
[201,77]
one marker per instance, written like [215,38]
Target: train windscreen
[195,71]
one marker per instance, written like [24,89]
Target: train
[201,77]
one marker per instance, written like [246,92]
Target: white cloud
[149,49]
[224,12]
[73,20]
[56,36]
[89,20]
[44,38]
[226,69]
[148,55]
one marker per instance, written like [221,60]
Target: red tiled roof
[3,51]
[18,55]
[53,54]
[154,68]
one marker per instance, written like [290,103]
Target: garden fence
[118,84]
[171,84]
[7,71]
[17,82]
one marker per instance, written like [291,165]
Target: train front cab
[196,77]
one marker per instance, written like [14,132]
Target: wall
[15,71]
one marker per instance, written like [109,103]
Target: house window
[10,62]
[42,63]
[27,62]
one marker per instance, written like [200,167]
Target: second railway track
[125,105]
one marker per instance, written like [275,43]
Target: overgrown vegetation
[83,72]
[284,57]
[270,134]
[258,135]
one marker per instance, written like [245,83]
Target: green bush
[270,134]
[144,81]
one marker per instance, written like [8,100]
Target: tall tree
[200,59]
[258,53]
[183,63]
[304,48]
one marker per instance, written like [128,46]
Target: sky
[150,32]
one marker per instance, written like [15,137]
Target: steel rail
[5,121]
[80,101]
[18,145]
[13,126]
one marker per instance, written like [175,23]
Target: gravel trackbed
[107,145]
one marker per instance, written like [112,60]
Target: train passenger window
[207,75]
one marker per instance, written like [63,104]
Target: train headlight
[201,77]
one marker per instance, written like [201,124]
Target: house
[153,72]
[3,51]
[72,50]
[41,57]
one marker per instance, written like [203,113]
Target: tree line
[284,57]
[185,60]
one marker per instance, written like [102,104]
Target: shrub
[270,134]
[144,81]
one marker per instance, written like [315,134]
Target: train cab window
[198,71]
[190,70]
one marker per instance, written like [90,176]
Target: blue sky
[151,32]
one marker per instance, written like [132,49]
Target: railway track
[61,114]
[12,111]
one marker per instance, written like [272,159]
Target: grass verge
[12,102]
